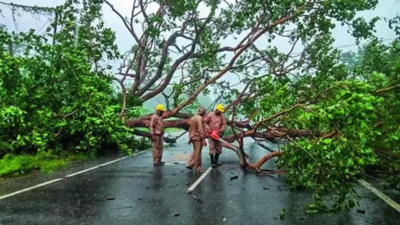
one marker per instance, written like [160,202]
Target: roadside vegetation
[46,162]
[54,105]
[338,111]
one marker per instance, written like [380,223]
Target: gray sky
[386,8]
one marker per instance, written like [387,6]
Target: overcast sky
[386,8]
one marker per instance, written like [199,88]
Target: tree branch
[388,89]
[276,115]
[235,57]
[121,114]
[127,25]
[176,63]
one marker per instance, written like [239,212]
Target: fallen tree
[339,119]
[307,97]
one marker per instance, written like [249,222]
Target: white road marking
[114,161]
[198,181]
[30,188]
[385,198]
[67,176]
[82,171]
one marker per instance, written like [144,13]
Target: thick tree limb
[161,65]
[145,123]
[269,135]
[180,123]
[264,159]
[148,135]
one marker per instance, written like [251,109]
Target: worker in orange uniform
[157,134]
[215,121]
[197,136]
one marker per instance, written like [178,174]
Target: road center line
[190,190]
[67,176]
[385,198]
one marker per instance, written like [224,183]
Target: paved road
[155,195]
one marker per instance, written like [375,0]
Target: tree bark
[182,123]
[256,166]
[269,135]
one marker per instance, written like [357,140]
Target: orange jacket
[214,122]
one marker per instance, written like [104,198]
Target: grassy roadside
[45,162]
[12,165]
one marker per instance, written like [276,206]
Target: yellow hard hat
[220,108]
[160,107]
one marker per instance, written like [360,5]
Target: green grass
[46,162]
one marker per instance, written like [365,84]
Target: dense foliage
[351,107]
[53,98]
[56,97]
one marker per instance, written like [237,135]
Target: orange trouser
[214,146]
[195,157]
[157,149]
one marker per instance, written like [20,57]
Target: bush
[46,162]
[54,100]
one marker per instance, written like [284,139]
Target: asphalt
[132,191]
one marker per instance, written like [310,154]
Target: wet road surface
[132,191]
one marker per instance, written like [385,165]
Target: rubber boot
[216,159]
[213,165]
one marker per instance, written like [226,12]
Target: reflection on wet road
[132,191]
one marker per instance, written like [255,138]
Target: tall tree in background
[177,40]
